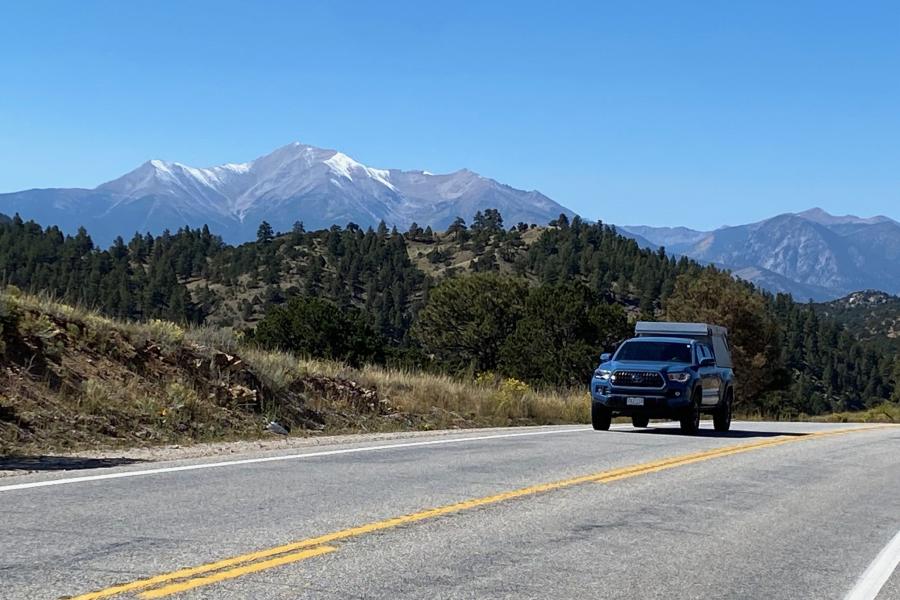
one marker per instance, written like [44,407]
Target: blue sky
[660,113]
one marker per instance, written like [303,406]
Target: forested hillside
[535,303]
[869,314]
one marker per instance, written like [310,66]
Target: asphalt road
[762,512]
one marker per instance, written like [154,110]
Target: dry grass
[444,400]
[887,412]
[221,338]
[70,378]
[453,401]
[277,369]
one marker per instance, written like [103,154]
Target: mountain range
[296,182]
[811,255]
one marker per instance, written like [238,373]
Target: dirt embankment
[70,380]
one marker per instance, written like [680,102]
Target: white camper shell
[714,336]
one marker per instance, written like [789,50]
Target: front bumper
[667,402]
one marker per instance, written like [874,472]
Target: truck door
[709,377]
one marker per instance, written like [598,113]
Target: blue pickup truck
[672,371]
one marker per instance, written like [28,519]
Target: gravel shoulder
[90,459]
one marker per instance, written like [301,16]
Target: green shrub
[467,319]
[9,320]
[560,336]
[318,328]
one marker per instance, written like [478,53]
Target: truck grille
[637,379]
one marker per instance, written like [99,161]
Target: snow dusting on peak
[382,176]
[161,165]
[203,176]
[237,167]
[343,165]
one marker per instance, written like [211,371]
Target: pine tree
[458,229]
[264,234]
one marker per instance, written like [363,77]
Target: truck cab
[675,371]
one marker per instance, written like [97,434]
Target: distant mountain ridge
[296,182]
[812,254]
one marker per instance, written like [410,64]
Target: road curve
[770,510]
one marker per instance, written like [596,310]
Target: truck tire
[690,420]
[722,416]
[640,421]
[601,417]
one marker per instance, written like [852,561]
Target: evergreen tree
[467,320]
[318,328]
[264,234]
[560,336]
[458,229]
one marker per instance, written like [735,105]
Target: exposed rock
[67,383]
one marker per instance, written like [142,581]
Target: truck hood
[628,365]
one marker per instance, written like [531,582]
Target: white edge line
[873,579]
[264,459]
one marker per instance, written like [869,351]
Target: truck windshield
[655,352]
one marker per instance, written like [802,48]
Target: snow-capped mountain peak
[343,165]
[295,182]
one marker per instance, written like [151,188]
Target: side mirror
[605,357]
[708,362]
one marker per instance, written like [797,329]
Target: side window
[703,351]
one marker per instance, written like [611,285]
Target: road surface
[770,510]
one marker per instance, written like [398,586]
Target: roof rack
[687,329]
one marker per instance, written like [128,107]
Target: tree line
[142,279]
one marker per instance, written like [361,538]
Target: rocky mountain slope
[868,314]
[294,183]
[812,255]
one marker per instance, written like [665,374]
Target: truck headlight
[679,377]
[602,374]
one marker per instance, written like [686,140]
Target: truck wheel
[601,417]
[640,421]
[722,416]
[690,420]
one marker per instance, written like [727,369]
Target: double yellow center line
[182,580]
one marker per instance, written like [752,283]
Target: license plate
[634,401]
